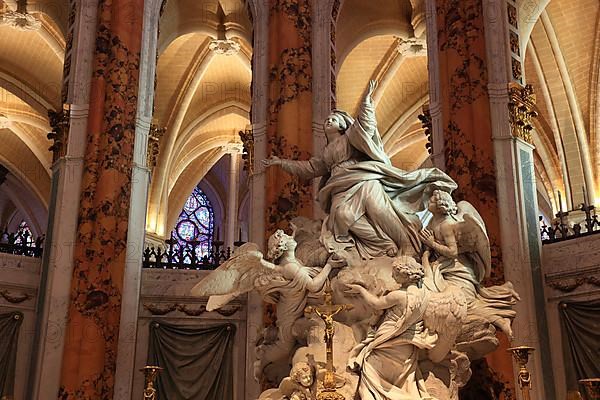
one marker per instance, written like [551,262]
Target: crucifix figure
[326,312]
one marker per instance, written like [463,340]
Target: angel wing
[444,315]
[310,250]
[235,276]
[472,238]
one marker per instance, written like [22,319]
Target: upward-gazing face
[289,241]
[332,126]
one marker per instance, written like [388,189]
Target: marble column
[517,192]
[323,66]
[470,74]
[289,128]
[462,108]
[140,181]
[257,181]
[233,187]
[98,288]
[67,170]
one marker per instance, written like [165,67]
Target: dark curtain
[10,323]
[580,324]
[197,361]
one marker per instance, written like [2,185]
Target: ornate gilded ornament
[521,108]
[512,16]
[150,374]
[514,43]
[154,137]
[326,312]
[59,122]
[426,123]
[592,388]
[521,355]
[247,138]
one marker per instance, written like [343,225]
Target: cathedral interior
[133,140]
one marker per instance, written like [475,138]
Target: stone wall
[19,280]
[571,273]
[165,298]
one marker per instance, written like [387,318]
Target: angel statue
[285,281]
[415,320]
[370,204]
[457,236]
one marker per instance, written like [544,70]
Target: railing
[176,256]
[21,244]
[561,230]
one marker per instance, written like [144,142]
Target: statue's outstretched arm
[303,169]
[366,110]
[397,297]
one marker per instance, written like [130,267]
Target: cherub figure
[298,386]
[415,319]
[285,282]
[457,236]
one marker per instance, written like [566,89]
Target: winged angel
[284,281]
[462,259]
[415,319]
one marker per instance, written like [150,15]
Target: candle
[218,236]
[585,199]
[240,237]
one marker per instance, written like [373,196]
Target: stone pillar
[257,181]
[233,187]
[140,181]
[461,105]
[323,66]
[101,280]
[57,263]
[516,186]
[289,129]
[470,74]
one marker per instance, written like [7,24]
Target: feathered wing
[444,315]
[234,277]
[472,238]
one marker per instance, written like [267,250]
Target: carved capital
[521,107]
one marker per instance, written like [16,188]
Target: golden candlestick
[326,312]
[150,374]
[521,355]
[592,388]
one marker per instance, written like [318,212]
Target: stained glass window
[24,234]
[195,224]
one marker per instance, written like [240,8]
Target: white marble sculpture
[287,283]
[414,326]
[371,205]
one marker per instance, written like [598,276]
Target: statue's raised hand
[273,160]
[371,88]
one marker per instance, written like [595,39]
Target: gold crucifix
[326,312]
